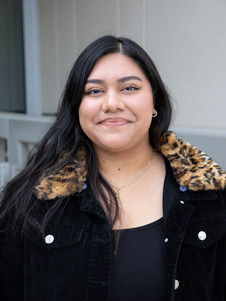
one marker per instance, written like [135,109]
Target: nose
[112,102]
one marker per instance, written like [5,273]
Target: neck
[123,166]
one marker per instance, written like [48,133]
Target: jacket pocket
[203,234]
[56,235]
[202,248]
[55,262]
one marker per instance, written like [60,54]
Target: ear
[154,110]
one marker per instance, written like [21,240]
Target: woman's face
[117,105]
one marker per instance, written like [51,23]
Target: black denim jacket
[73,260]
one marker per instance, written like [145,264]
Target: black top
[139,270]
[139,267]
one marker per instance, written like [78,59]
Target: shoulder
[192,168]
[65,181]
[222,196]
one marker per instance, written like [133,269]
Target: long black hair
[66,135]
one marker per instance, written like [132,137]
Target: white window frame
[32,57]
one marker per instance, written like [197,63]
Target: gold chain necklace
[140,174]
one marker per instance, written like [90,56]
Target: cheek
[146,111]
[88,108]
[83,116]
[80,114]
[87,113]
[145,108]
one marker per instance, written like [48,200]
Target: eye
[93,92]
[130,88]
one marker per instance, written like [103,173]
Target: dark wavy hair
[66,134]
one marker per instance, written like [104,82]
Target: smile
[114,122]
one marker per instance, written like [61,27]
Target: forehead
[115,65]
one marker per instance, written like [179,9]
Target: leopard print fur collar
[191,167]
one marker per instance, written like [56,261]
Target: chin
[115,146]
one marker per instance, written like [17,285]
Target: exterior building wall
[186,39]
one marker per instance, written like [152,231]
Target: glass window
[12,83]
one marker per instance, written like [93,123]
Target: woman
[111,205]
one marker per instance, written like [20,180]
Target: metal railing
[18,134]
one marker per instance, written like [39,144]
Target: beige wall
[186,39]
[57,48]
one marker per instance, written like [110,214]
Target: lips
[114,122]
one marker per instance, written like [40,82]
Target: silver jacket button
[49,239]
[202,235]
[176,285]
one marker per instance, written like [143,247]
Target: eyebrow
[121,80]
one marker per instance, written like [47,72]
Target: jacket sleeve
[11,267]
[224,259]
[224,264]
